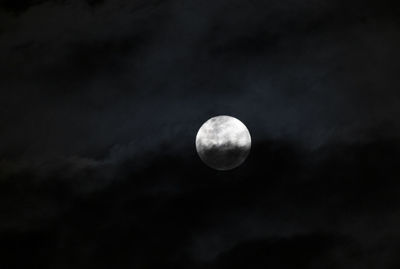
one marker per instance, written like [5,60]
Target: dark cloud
[100,102]
[19,6]
[285,205]
[283,68]
[296,252]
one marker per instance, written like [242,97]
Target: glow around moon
[223,142]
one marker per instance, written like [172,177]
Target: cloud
[285,200]
[117,73]
[99,110]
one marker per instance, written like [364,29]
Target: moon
[223,142]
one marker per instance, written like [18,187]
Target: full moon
[223,142]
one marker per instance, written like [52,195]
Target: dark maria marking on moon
[223,143]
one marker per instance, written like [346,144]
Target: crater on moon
[223,142]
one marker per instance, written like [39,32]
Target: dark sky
[100,102]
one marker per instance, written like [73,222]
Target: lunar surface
[223,142]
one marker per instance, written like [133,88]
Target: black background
[100,102]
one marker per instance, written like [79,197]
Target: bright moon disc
[223,142]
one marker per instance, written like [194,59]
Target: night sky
[100,103]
